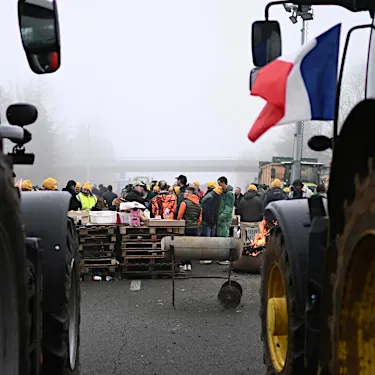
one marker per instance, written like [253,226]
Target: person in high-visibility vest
[87,199]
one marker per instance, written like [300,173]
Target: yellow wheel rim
[277,318]
[356,338]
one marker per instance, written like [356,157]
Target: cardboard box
[84,214]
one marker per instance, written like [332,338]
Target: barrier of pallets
[97,245]
[141,252]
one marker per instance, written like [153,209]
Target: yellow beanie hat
[196,182]
[211,185]
[171,188]
[177,189]
[286,190]
[27,185]
[87,186]
[156,188]
[50,184]
[252,187]
[148,187]
[276,183]
[78,185]
[218,190]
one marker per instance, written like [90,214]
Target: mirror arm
[339,81]
[268,6]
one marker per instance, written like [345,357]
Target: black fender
[293,217]
[45,216]
[314,288]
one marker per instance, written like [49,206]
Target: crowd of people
[206,213]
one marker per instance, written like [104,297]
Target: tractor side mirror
[320,143]
[265,41]
[253,77]
[39,27]
[21,114]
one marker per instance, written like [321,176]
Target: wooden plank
[143,256]
[141,245]
[164,223]
[86,270]
[144,230]
[100,246]
[96,239]
[157,237]
[138,262]
[101,261]
[97,254]
[100,229]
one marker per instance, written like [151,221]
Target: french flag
[300,87]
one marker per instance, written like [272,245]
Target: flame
[260,239]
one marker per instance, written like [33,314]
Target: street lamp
[305,12]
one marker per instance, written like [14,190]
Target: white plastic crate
[103,217]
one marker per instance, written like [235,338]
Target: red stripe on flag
[268,118]
[270,83]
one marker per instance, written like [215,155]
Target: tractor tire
[282,329]
[14,318]
[61,333]
[352,324]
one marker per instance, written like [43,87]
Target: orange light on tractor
[54,61]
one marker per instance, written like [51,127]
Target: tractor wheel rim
[277,319]
[9,349]
[73,320]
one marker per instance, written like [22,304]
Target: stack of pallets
[98,249]
[141,252]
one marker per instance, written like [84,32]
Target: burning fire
[259,240]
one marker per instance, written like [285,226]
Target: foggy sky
[171,74]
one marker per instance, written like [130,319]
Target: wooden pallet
[142,255]
[140,245]
[98,270]
[97,229]
[143,230]
[96,254]
[99,262]
[144,237]
[152,266]
[98,239]
[108,246]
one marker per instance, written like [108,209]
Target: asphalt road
[137,332]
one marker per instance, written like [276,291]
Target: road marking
[135,285]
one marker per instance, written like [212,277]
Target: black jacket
[134,196]
[75,204]
[109,196]
[237,200]
[210,204]
[275,194]
[251,208]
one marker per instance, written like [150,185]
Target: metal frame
[228,278]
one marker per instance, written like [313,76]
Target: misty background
[159,79]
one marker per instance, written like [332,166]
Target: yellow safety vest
[87,202]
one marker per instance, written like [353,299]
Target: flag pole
[297,152]
[305,12]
